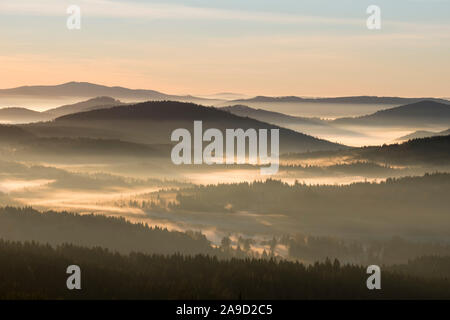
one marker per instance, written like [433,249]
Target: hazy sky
[265,47]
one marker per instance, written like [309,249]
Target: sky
[253,47]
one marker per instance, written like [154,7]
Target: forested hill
[430,151]
[39,272]
[154,121]
[118,234]
[413,207]
[423,113]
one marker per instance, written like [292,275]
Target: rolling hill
[423,113]
[311,126]
[153,122]
[433,150]
[21,115]
[91,104]
[20,144]
[271,116]
[424,151]
[423,134]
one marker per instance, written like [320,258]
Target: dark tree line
[383,252]
[33,271]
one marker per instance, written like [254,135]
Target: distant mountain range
[153,123]
[88,90]
[145,128]
[339,100]
[423,113]
[225,96]
[312,126]
[420,114]
[271,116]
[423,134]
[23,115]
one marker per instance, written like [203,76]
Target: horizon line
[218,92]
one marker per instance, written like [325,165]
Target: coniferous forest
[33,271]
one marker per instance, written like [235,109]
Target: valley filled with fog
[112,157]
